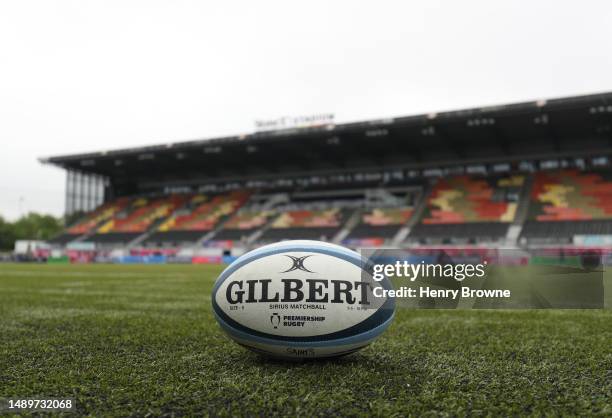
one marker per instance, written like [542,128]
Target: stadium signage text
[293,122]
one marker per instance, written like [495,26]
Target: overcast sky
[91,75]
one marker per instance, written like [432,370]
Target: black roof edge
[605,98]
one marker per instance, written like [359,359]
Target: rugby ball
[301,299]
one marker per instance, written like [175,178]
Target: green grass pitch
[138,340]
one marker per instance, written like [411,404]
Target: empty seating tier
[306,224]
[94,219]
[571,195]
[463,199]
[137,218]
[486,231]
[563,231]
[381,223]
[470,207]
[566,203]
[173,238]
[206,213]
[142,213]
[200,215]
[243,224]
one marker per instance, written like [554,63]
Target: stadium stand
[320,224]
[386,211]
[200,216]
[469,208]
[135,220]
[462,208]
[515,173]
[91,221]
[566,203]
[244,224]
[381,223]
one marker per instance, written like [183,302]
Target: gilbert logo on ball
[301,299]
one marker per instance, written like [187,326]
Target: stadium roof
[559,128]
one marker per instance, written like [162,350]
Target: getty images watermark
[490,278]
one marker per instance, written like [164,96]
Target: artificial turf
[142,340]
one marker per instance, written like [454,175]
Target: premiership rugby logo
[298,263]
[275,319]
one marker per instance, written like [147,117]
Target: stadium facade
[519,175]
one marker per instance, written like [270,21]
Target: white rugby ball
[301,299]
